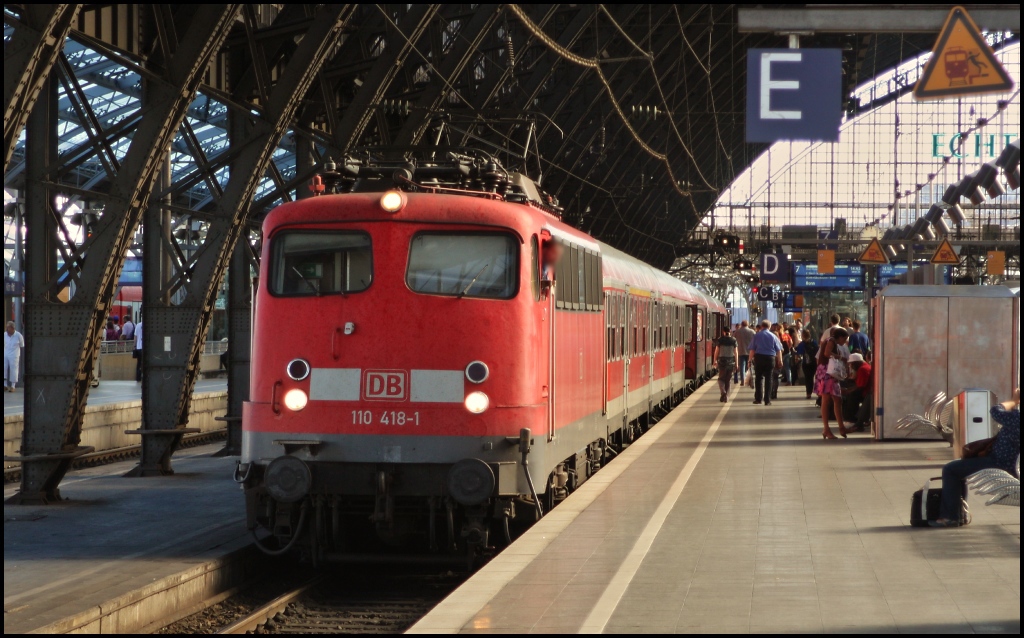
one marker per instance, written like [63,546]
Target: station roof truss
[632,115]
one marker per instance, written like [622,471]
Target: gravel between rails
[365,603]
[351,600]
[277,581]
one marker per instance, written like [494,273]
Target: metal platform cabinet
[941,338]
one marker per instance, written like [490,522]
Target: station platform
[121,550]
[113,408]
[108,393]
[740,518]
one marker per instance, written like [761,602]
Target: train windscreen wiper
[465,290]
[315,289]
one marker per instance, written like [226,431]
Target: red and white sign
[385,385]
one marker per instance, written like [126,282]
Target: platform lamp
[1009,161]
[972,189]
[923,230]
[987,178]
[952,199]
[934,217]
[887,236]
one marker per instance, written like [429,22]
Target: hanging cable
[595,66]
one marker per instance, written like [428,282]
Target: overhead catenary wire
[595,66]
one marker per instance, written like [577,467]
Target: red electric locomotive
[436,356]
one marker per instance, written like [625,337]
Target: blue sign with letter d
[774,267]
[794,94]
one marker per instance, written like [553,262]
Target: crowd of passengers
[836,366]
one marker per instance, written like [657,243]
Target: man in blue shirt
[859,342]
[765,356]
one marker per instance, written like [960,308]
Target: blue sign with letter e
[794,94]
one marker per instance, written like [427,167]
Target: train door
[699,331]
[653,320]
[552,355]
[629,342]
[670,330]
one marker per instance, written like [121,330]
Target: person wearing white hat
[860,396]
[13,343]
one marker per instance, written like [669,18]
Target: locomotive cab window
[308,263]
[464,265]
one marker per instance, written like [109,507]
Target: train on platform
[438,360]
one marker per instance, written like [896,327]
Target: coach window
[484,265]
[310,264]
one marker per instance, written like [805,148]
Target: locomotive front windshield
[308,263]
[464,265]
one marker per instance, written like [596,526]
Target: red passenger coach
[436,358]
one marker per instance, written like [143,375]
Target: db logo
[385,385]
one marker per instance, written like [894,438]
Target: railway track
[368,600]
[103,457]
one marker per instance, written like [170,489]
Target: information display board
[891,271]
[845,277]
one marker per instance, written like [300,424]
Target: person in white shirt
[13,343]
[137,352]
[128,328]
[826,334]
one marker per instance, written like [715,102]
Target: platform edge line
[450,617]
[609,601]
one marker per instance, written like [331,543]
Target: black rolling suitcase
[926,503]
[924,506]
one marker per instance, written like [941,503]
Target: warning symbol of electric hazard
[945,255]
[874,254]
[962,63]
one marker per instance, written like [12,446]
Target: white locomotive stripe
[437,386]
[334,384]
[602,612]
[426,386]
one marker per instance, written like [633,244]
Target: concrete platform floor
[741,519]
[114,535]
[108,392]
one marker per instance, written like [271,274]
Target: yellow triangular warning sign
[874,254]
[962,63]
[945,255]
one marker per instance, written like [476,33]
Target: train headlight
[297,369]
[477,372]
[393,201]
[295,399]
[477,402]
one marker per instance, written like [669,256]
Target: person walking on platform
[111,333]
[766,357]
[794,359]
[13,343]
[1003,454]
[137,352]
[807,353]
[128,328]
[859,342]
[744,335]
[832,370]
[776,330]
[826,334]
[725,355]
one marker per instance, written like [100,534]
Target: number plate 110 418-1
[387,417]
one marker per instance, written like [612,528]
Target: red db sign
[385,385]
